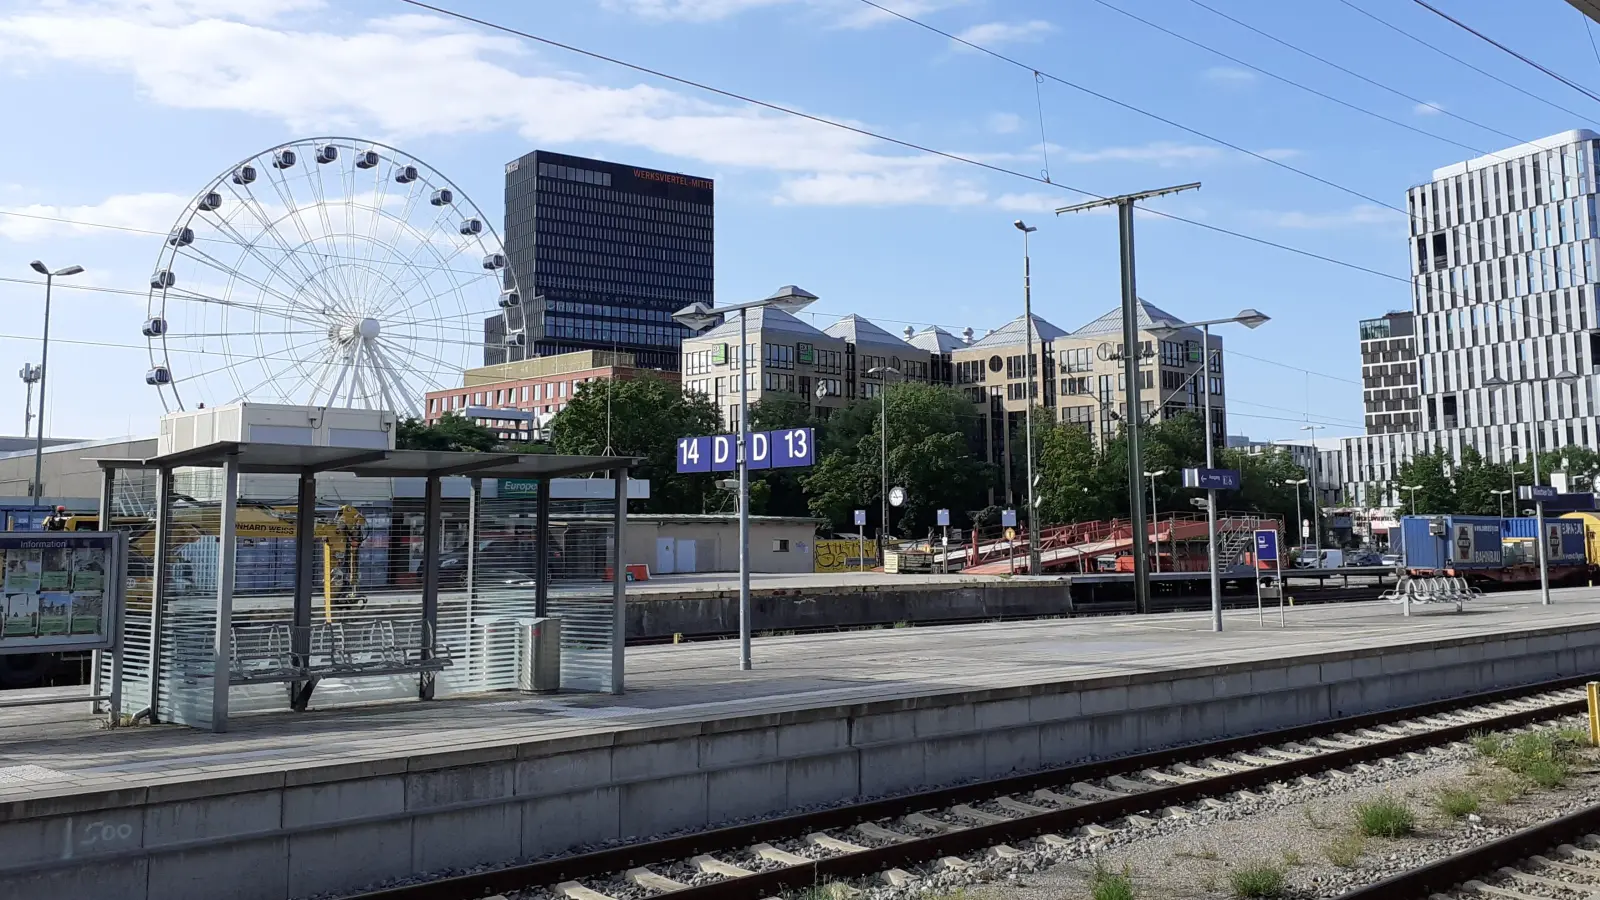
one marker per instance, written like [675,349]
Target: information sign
[861,517]
[1537,492]
[785,448]
[1008,518]
[1212,479]
[1266,545]
[943,517]
[59,591]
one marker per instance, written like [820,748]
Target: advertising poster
[58,592]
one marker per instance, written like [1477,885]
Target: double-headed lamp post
[1155,524]
[1316,502]
[1033,378]
[1249,318]
[697,317]
[1496,383]
[884,372]
[1500,497]
[1413,488]
[44,359]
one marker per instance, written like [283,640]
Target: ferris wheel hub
[367,328]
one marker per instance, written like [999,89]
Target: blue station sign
[1212,479]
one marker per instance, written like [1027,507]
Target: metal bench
[1438,589]
[264,653]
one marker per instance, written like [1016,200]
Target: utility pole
[1130,367]
[1033,379]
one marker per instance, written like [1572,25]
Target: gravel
[1291,828]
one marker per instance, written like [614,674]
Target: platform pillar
[432,535]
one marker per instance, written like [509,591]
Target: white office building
[1503,276]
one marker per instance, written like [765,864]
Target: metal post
[619,585]
[1300,522]
[44,372]
[1155,525]
[1130,369]
[107,485]
[861,547]
[1282,589]
[1538,512]
[222,640]
[541,537]
[158,586]
[744,501]
[1027,409]
[305,545]
[432,534]
[883,529]
[1316,502]
[1211,494]
[472,544]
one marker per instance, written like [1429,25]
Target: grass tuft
[1292,859]
[1542,758]
[1455,803]
[1344,851]
[1107,885]
[1385,817]
[1260,881]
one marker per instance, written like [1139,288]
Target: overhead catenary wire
[1492,42]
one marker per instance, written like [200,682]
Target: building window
[1077,360]
[780,545]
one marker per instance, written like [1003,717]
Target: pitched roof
[762,318]
[1149,315]
[857,330]
[935,340]
[1012,333]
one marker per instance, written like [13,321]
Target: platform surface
[51,751]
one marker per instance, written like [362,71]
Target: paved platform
[51,751]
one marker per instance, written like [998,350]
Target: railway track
[945,828]
[1558,858]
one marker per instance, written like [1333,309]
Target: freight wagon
[1491,551]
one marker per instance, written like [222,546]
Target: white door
[685,557]
[664,556]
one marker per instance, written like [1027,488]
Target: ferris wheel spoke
[319,190]
[230,366]
[380,196]
[287,315]
[232,272]
[285,192]
[423,243]
[343,366]
[388,377]
[414,354]
[329,363]
[250,202]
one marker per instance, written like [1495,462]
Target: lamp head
[69,270]
[1251,318]
[696,316]
[40,267]
[790,299]
[1025,229]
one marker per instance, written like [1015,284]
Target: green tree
[642,417]
[929,456]
[1067,467]
[1581,464]
[781,492]
[452,432]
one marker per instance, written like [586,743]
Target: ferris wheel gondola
[325,272]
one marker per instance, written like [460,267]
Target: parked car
[1362,558]
[1392,560]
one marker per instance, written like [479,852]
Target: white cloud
[1004,123]
[860,15]
[154,212]
[990,34]
[1160,153]
[1427,109]
[845,13]
[1361,214]
[884,189]
[1229,74]
[689,10]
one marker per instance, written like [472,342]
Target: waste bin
[539,656]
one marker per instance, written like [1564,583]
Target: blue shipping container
[1563,538]
[1465,542]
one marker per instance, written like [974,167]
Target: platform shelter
[247,605]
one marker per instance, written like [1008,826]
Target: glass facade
[603,254]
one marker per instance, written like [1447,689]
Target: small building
[673,544]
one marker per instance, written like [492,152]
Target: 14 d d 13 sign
[786,448]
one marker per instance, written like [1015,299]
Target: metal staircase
[1235,535]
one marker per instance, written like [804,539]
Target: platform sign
[785,448]
[944,517]
[1537,492]
[1008,518]
[793,448]
[1266,545]
[861,517]
[759,450]
[1212,479]
[62,591]
[694,454]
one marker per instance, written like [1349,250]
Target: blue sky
[123,109]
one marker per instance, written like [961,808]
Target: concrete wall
[294,833]
[69,470]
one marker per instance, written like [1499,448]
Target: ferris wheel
[326,272]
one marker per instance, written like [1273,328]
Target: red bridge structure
[1179,541]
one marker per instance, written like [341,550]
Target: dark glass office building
[603,254]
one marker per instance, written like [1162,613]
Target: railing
[1235,536]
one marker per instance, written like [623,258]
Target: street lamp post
[1316,502]
[1496,383]
[1249,318]
[698,316]
[884,372]
[1500,497]
[1027,413]
[44,359]
[1299,521]
[1413,488]
[1155,523]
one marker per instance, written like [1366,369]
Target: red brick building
[518,399]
